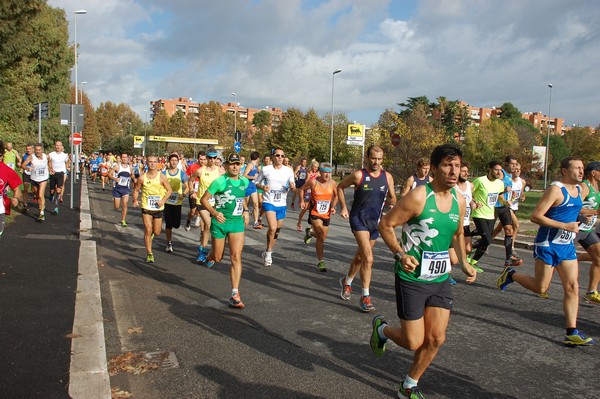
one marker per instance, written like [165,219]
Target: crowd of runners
[435,212]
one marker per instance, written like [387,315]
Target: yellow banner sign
[185,140]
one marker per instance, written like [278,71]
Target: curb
[88,374]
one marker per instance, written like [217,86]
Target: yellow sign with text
[138,141]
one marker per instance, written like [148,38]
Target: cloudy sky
[281,53]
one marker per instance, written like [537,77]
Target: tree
[492,140]
[583,142]
[509,111]
[35,62]
[318,131]
[414,102]
[292,134]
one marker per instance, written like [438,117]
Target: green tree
[318,131]
[509,111]
[414,102]
[292,135]
[583,142]
[491,140]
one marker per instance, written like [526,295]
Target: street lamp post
[81,90]
[548,139]
[331,133]
[145,127]
[78,12]
[234,114]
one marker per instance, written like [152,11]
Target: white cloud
[279,53]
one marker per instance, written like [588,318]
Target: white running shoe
[267,260]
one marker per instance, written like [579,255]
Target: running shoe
[55,211]
[257,226]
[346,289]
[41,217]
[60,199]
[592,298]
[123,223]
[188,225]
[505,278]
[451,280]
[473,263]
[543,295]
[321,266]
[236,302]
[410,393]
[51,197]
[267,259]
[201,257]
[150,258]
[514,260]
[169,247]
[377,341]
[307,236]
[210,263]
[365,304]
[578,338]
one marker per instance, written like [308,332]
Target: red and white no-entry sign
[395,139]
[76,139]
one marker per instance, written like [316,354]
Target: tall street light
[234,113]
[81,90]
[78,12]
[548,138]
[331,134]
[146,127]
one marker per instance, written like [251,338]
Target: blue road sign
[237,146]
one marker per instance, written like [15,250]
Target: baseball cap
[595,165]
[212,153]
[233,158]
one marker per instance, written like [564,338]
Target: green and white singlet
[427,237]
[229,195]
[592,201]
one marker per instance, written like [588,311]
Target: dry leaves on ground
[72,335]
[134,330]
[135,363]
[117,393]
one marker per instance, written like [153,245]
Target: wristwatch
[398,256]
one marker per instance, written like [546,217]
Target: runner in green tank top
[432,216]
[587,237]
[229,216]
[418,240]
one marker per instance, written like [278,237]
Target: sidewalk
[38,279]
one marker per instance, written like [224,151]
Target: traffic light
[44,107]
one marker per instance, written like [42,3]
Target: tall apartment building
[186,105]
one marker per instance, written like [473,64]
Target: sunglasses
[279,155]
[211,157]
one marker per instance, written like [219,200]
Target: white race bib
[434,264]
[492,199]
[563,237]
[211,201]
[123,181]
[589,225]
[466,220]
[239,207]
[323,207]
[153,201]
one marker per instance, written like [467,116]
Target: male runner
[323,200]
[155,192]
[37,164]
[230,215]
[205,175]
[487,191]
[300,175]
[193,188]
[372,185]
[275,180]
[8,178]
[104,167]
[178,181]
[557,213]
[59,163]
[11,156]
[121,174]
[587,237]
[26,176]
[431,219]
[311,174]
[251,173]
[421,177]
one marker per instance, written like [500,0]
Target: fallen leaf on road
[135,363]
[72,335]
[117,393]
[134,330]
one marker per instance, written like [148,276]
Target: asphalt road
[296,338]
